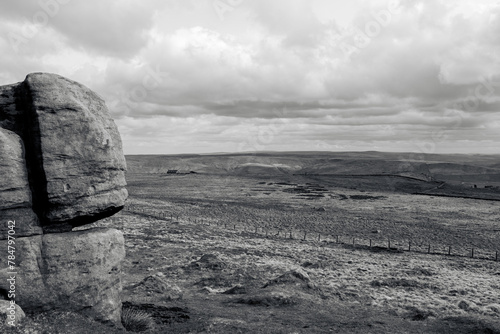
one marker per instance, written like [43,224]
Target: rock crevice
[31,138]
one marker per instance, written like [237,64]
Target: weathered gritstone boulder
[73,152]
[11,314]
[78,149]
[74,271]
[61,166]
[15,194]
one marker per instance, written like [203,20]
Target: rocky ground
[237,281]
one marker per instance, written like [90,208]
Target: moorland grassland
[280,243]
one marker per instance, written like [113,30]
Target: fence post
[370,243]
[305,235]
[409,246]
[337,238]
[496,256]
[319,236]
[449,250]
[472,253]
[353,241]
[429,249]
[388,243]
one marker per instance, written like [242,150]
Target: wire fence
[375,244]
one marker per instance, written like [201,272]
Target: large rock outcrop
[73,271]
[78,148]
[73,151]
[61,166]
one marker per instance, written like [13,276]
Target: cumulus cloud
[112,27]
[222,75]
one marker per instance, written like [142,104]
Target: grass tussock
[135,320]
[400,282]
[418,314]
[421,271]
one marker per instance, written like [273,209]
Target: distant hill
[481,170]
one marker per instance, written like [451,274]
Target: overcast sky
[199,76]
